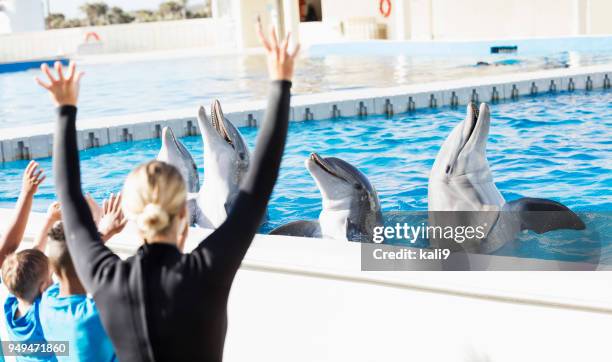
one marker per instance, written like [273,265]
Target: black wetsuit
[162,305]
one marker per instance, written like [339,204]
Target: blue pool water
[133,86]
[557,147]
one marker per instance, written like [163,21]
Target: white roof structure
[21,16]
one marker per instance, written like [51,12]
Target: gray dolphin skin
[350,205]
[462,193]
[173,152]
[226,161]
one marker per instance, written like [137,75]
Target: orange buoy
[385,8]
[92,35]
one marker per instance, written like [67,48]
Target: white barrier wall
[599,17]
[477,19]
[209,33]
[482,19]
[21,15]
[300,299]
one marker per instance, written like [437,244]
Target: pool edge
[32,142]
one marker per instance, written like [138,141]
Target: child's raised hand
[54,212]
[64,90]
[32,177]
[113,221]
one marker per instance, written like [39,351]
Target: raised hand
[280,61]
[13,234]
[64,90]
[54,213]
[32,178]
[113,221]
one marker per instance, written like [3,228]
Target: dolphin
[226,161]
[350,205]
[462,193]
[173,152]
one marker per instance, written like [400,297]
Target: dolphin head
[464,151]
[226,161]
[351,208]
[460,179]
[173,152]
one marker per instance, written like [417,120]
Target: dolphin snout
[166,136]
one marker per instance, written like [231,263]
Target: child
[10,239]
[66,312]
[26,273]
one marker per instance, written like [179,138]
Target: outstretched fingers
[59,69]
[262,37]
[78,76]
[47,86]
[45,68]
[71,71]
[105,206]
[274,38]
[34,173]
[63,88]
[284,46]
[38,177]
[116,202]
[295,52]
[31,166]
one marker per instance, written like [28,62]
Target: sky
[70,8]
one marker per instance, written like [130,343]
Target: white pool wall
[36,141]
[125,38]
[305,299]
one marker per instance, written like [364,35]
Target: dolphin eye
[241,155]
[448,168]
[357,186]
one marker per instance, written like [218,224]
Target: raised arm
[89,254]
[53,215]
[13,235]
[224,249]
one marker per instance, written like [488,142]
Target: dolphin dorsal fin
[541,215]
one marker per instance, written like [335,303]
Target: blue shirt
[26,328]
[75,319]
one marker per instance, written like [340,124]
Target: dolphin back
[302,228]
[542,215]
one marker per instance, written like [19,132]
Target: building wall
[339,10]
[22,16]
[478,19]
[5,23]
[485,19]
[600,13]
[358,19]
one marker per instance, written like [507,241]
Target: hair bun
[152,218]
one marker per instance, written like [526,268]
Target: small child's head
[26,274]
[57,252]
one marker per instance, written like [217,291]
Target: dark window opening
[310,10]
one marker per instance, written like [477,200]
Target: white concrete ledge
[307,300]
[341,262]
[36,141]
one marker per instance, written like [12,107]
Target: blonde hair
[153,195]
